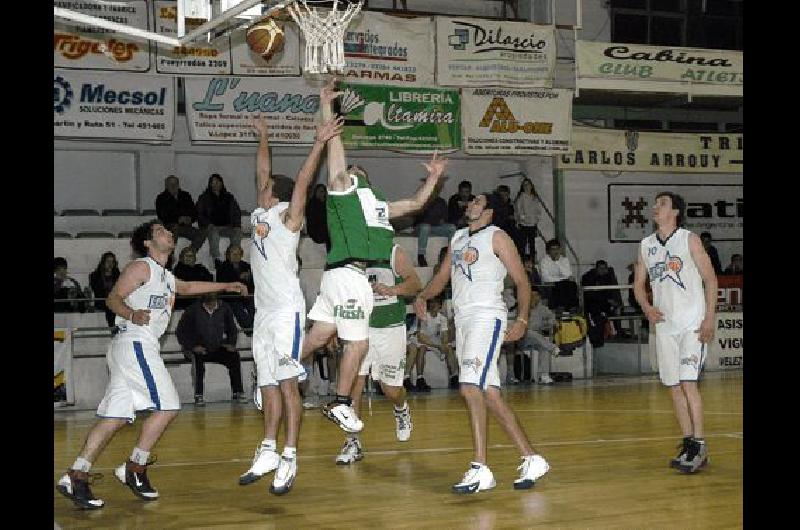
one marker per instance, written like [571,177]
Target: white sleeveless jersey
[677,285]
[273,260]
[157,295]
[477,274]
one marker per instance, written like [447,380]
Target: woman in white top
[527,211]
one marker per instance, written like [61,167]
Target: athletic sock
[139,457]
[289,452]
[701,441]
[344,400]
[403,408]
[81,464]
[269,445]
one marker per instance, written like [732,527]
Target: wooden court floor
[608,443]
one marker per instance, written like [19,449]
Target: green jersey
[388,311]
[358,224]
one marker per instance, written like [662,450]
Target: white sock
[139,457]
[401,409]
[289,452]
[268,444]
[81,464]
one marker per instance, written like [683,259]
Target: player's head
[152,238]
[668,209]
[60,268]
[553,249]
[481,209]
[279,189]
[434,306]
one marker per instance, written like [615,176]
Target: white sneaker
[264,462]
[351,452]
[533,468]
[344,416]
[545,379]
[309,404]
[477,478]
[284,477]
[404,425]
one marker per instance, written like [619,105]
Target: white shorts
[277,344]
[345,299]
[680,357]
[478,341]
[138,380]
[386,357]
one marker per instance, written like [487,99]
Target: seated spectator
[541,322]
[65,286]
[207,333]
[177,212]
[219,215]
[602,304]
[432,220]
[736,267]
[530,269]
[457,205]
[711,250]
[503,216]
[527,212]
[317,217]
[556,269]
[235,269]
[431,334]
[102,280]
[189,270]
[635,307]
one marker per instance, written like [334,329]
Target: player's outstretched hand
[141,317]
[706,330]
[236,287]
[654,315]
[260,124]
[436,166]
[328,93]
[329,129]
[420,307]
[515,332]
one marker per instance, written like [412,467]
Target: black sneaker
[408,386]
[74,485]
[134,476]
[422,386]
[454,381]
[696,457]
[421,261]
[684,447]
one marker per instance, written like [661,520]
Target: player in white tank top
[683,314]
[142,299]
[477,261]
[278,329]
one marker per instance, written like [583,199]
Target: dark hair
[706,234]
[99,269]
[522,185]
[142,233]
[677,204]
[465,184]
[216,176]
[736,256]
[601,262]
[552,243]
[503,187]
[59,263]
[282,188]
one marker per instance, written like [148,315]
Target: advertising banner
[389,50]
[642,68]
[283,63]
[716,208]
[407,118]
[62,363]
[88,47]
[726,350]
[618,150]
[196,57]
[115,106]
[516,121]
[220,109]
[476,52]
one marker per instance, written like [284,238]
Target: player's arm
[297,207]
[405,269]
[189,288]
[706,270]
[435,286]
[640,292]
[406,206]
[506,251]
[263,164]
[337,165]
[133,276]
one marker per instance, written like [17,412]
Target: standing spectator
[711,250]
[102,280]
[219,214]
[317,217]
[556,269]
[736,267]
[65,286]
[208,334]
[541,322]
[189,270]
[527,211]
[238,270]
[602,304]
[504,212]
[457,205]
[432,221]
[176,210]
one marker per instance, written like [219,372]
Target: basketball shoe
[675,462]
[351,451]
[477,478]
[404,425]
[696,457]
[533,468]
[74,485]
[264,461]
[134,476]
[284,476]
[344,416]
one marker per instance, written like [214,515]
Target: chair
[95,235]
[112,212]
[79,212]
[62,235]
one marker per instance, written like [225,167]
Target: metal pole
[74,16]
[224,17]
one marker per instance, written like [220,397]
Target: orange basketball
[265,38]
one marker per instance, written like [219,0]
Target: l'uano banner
[618,150]
[115,106]
[477,52]
[389,50]
[641,68]
[516,121]
[221,109]
[88,47]
[406,118]
[196,57]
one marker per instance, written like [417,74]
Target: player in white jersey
[477,261]
[142,299]
[279,323]
[684,297]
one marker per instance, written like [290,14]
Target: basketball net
[324,35]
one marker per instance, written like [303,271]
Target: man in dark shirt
[64,286]
[208,333]
[736,267]
[711,250]
[432,221]
[504,214]
[605,303]
[176,211]
[218,213]
[457,205]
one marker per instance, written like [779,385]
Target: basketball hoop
[324,34]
